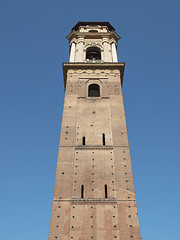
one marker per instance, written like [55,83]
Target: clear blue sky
[33,46]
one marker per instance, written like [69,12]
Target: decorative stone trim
[93,45]
[93,148]
[93,201]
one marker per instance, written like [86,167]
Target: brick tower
[94,194]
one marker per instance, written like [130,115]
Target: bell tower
[94,194]
[93,42]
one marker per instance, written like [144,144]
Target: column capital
[113,41]
[81,40]
[73,41]
[105,40]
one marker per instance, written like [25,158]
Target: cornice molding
[94,35]
[93,66]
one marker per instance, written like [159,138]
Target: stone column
[106,47]
[114,52]
[72,53]
[79,50]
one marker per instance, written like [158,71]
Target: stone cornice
[93,148]
[102,66]
[80,24]
[93,200]
[94,35]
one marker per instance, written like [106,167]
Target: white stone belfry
[93,43]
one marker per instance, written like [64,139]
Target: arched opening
[94,90]
[82,191]
[105,188]
[103,138]
[93,53]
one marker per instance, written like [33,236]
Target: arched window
[82,191]
[93,53]
[94,90]
[105,188]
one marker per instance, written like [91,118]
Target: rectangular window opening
[103,138]
[106,194]
[84,141]
[82,191]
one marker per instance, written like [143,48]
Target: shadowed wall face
[94,191]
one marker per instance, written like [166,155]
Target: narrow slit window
[82,191]
[103,138]
[83,141]
[105,188]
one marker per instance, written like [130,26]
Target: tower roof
[110,27]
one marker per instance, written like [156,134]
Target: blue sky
[33,46]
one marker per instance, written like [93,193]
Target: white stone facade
[93,36]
